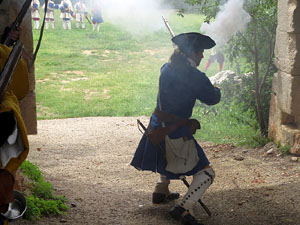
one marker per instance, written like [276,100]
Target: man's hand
[14,35]
[217,87]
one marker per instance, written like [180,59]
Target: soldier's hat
[66,5]
[193,42]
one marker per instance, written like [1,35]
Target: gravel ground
[87,160]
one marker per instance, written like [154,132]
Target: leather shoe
[177,211]
[158,198]
[190,220]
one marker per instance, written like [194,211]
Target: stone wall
[8,12]
[284,125]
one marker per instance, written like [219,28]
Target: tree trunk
[259,109]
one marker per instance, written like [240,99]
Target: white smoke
[230,19]
[139,17]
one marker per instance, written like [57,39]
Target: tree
[253,50]
[179,5]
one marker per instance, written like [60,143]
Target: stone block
[295,150]
[287,52]
[288,15]
[287,91]
[288,134]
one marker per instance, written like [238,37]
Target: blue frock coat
[179,90]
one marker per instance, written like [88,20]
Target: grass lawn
[80,73]
[110,73]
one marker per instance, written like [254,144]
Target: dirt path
[87,160]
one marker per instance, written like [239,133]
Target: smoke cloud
[230,19]
[139,17]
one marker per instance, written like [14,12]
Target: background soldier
[215,55]
[35,13]
[80,14]
[66,9]
[50,14]
[96,17]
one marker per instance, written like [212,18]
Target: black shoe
[188,219]
[158,198]
[176,212]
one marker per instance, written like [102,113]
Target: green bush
[228,123]
[33,211]
[37,206]
[31,171]
[43,189]
[285,150]
[234,119]
[41,200]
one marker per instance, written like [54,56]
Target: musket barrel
[168,27]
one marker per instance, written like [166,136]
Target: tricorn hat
[193,42]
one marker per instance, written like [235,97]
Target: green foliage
[41,200]
[285,150]
[43,189]
[228,124]
[209,8]
[252,50]
[233,119]
[120,78]
[181,5]
[32,171]
[33,211]
[257,54]
[36,207]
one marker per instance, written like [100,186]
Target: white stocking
[37,24]
[64,24]
[201,181]
[162,185]
[69,24]
[46,25]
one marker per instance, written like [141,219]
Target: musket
[10,67]
[88,20]
[168,27]
[5,38]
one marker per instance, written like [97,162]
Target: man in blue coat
[180,85]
